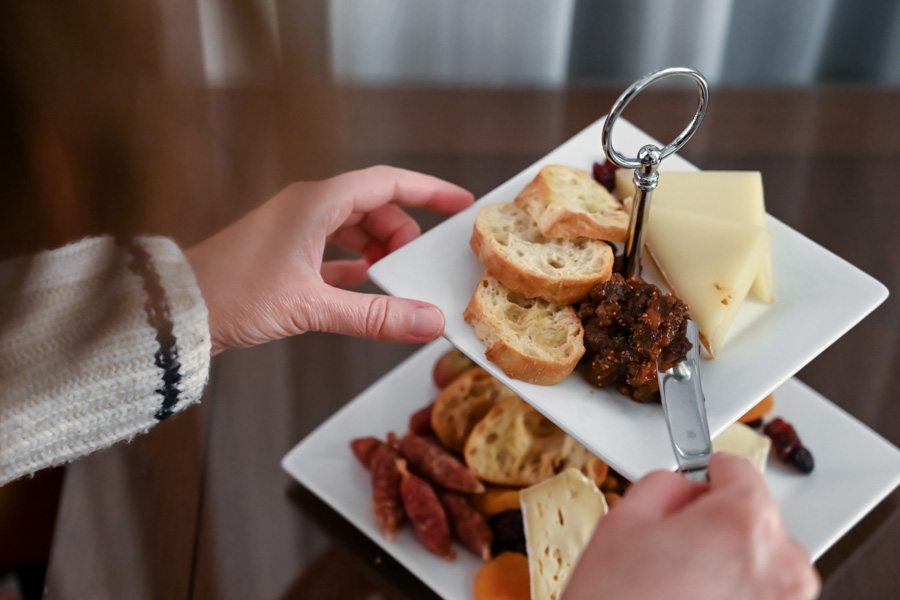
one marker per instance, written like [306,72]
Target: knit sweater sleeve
[99,340]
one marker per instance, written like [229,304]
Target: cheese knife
[685,409]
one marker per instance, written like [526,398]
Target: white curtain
[542,43]
[549,42]
[777,42]
[225,58]
[469,42]
[616,41]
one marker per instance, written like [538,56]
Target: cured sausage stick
[425,512]
[438,466]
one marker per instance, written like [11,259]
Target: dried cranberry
[509,532]
[803,460]
[788,446]
[605,174]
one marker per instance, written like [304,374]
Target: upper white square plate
[849,479]
[818,297]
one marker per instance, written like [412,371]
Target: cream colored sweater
[99,341]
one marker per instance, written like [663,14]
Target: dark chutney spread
[628,325]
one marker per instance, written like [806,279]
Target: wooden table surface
[200,508]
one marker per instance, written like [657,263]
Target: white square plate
[849,479]
[818,297]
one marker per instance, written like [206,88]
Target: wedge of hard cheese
[709,263]
[733,195]
[560,515]
[742,440]
[624,188]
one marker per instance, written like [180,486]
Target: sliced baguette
[567,203]
[528,338]
[515,445]
[515,252]
[462,404]
[584,460]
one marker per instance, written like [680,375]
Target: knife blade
[684,407]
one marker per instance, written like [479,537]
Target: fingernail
[426,323]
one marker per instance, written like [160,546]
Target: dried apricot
[612,499]
[759,411]
[504,578]
[496,500]
[610,484]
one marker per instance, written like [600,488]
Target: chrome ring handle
[649,157]
[636,88]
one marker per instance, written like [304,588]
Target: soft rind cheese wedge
[744,441]
[709,263]
[733,195]
[560,515]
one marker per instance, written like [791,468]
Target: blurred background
[587,42]
[544,43]
[126,116]
[176,117]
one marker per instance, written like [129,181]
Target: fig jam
[630,327]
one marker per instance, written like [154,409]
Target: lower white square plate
[818,297]
[855,468]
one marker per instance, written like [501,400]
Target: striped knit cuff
[160,316]
[100,340]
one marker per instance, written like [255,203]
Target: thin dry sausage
[425,512]
[467,524]
[420,421]
[386,496]
[364,449]
[438,466]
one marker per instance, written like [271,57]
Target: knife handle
[699,474]
[684,407]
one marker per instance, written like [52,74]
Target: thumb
[659,494]
[377,317]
